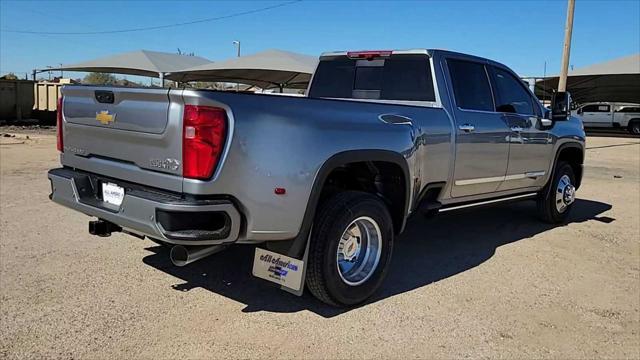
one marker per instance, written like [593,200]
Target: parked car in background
[610,115]
[323,183]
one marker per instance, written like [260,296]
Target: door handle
[467,128]
[517,129]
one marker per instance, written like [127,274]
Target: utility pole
[237,43]
[61,72]
[544,84]
[566,50]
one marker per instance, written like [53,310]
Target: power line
[155,27]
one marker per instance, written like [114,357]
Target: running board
[487,202]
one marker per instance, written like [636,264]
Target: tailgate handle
[104,96]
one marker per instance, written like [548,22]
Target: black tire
[335,215]
[634,127]
[547,200]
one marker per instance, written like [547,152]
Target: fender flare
[566,145]
[299,243]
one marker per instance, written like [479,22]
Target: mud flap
[283,270]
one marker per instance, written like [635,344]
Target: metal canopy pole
[237,42]
[566,50]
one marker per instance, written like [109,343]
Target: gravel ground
[503,285]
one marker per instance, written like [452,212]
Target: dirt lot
[488,283]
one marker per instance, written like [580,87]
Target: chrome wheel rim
[565,194]
[359,251]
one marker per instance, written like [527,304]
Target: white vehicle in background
[610,115]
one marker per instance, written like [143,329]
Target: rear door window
[470,85]
[398,77]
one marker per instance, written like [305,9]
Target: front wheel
[350,250]
[556,201]
[634,127]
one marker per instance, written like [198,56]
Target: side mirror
[560,106]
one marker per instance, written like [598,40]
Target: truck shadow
[428,251]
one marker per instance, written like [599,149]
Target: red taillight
[60,144]
[368,54]
[203,135]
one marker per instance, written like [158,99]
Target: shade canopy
[267,69]
[616,81]
[141,62]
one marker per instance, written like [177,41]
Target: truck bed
[272,142]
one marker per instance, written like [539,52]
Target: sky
[521,34]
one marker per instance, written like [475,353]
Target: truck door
[530,147]
[597,115]
[482,147]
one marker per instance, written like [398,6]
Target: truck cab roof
[415,51]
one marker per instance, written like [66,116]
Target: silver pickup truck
[322,183]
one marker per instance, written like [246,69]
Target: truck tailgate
[127,133]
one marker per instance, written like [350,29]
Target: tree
[10,76]
[99,79]
[127,83]
[205,85]
[186,54]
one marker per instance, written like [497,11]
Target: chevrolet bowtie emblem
[104,117]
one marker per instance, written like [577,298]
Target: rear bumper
[164,216]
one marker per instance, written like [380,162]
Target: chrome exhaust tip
[184,255]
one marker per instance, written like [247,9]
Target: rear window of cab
[398,77]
